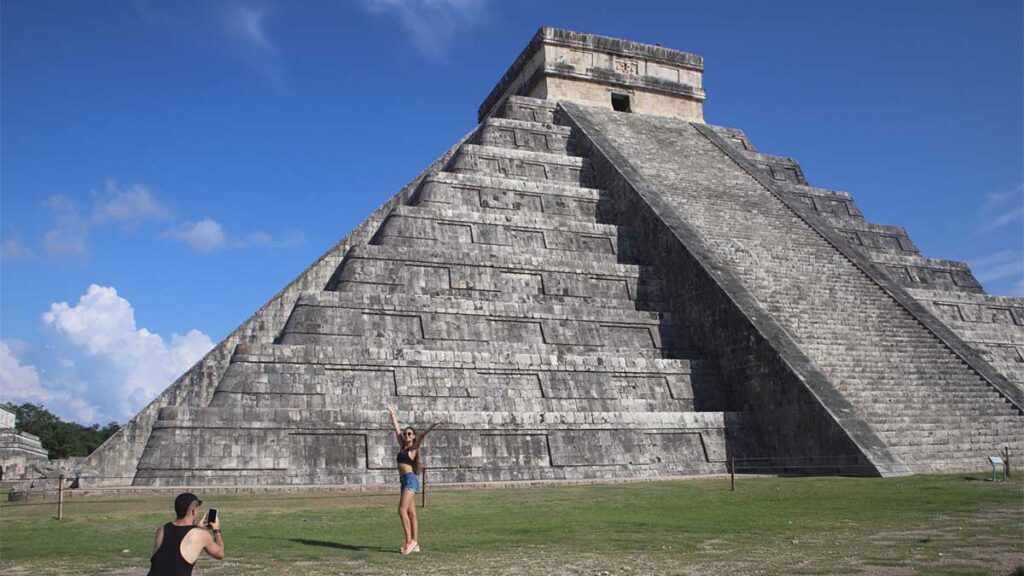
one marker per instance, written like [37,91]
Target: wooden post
[1006,461]
[423,489]
[60,497]
[732,473]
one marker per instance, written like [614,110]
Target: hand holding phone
[211,519]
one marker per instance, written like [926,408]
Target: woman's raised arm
[394,421]
[422,435]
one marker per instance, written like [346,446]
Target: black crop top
[403,457]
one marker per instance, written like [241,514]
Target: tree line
[62,439]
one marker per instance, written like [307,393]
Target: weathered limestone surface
[19,451]
[584,293]
[564,65]
[993,326]
[502,298]
[910,388]
[116,461]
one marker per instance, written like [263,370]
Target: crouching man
[179,543]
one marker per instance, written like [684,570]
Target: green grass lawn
[916,525]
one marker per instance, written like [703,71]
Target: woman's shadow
[340,546]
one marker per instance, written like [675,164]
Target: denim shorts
[410,481]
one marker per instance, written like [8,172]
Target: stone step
[535,166]
[895,374]
[935,396]
[951,465]
[965,452]
[823,201]
[883,358]
[494,340]
[414,226]
[526,220]
[867,236]
[992,443]
[495,271]
[914,434]
[973,303]
[483,193]
[644,302]
[915,271]
[512,466]
[327,356]
[414,303]
[907,364]
[964,397]
[506,258]
[356,419]
[525,135]
[267,383]
[872,412]
[449,323]
[339,400]
[951,420]
[528,109]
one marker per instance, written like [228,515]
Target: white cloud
[246,24]
[262,239]
[430,23]
[19,382]
[1002,270]
[12,249]
[70,232]
[1002,208]
[71,229]
[249,23]
[203,236]
[135,364]
[209,235]
[127,205]
[1014,215]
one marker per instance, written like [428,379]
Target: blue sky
[167,167]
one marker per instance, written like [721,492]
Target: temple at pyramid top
[596,70]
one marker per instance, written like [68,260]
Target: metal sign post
[997,461]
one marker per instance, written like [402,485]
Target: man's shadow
[340,546]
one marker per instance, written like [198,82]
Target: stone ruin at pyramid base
[594,283]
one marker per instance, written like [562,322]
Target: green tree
[61,438]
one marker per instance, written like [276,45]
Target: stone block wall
[947,290]
[500,296]
[902,392]
[116,461]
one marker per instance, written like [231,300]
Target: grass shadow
[342,546]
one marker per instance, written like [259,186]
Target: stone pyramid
[594,283]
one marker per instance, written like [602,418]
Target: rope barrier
[309,490]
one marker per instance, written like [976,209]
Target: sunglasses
[410,434]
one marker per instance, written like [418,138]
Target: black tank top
[167,560]
[403,458]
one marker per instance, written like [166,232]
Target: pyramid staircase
[830,288]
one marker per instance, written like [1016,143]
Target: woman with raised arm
[408,467]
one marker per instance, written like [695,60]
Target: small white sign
[994,460]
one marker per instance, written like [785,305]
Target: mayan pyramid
[594,283]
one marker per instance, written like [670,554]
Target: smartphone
[211,516]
